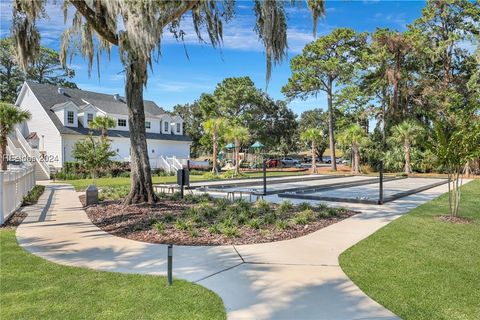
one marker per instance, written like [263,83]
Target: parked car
[272,163]
[290,162]
[328,159]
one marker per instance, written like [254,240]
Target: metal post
[170,264]
[264,177]
[380,189]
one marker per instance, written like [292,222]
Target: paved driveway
[294,279]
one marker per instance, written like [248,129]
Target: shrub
[262,206]
[281,224]
[183,225]
[215,229]
[33,195]
[193,232]
[254,223]
[270,217]
[152,221]
[207,211]
[231,232]
[221,203]
[243,204]
[285,206]
[160,227]
[304,206]
[168,217]
[303,217]
[322,207]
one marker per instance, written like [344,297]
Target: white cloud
[178,86]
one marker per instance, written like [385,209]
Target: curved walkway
[294,279]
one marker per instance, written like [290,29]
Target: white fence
[14,185]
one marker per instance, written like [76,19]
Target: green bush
[304,206]
[285,207]
[254,223]
[281,224]
[183,225]
[33,195]
[231,231]
[215,229]
[304,217]
[160,227]
[262,207]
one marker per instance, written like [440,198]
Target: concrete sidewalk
[293,279]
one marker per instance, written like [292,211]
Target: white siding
[41,123]
[156,148]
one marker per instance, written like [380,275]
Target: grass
[422,268]
[33,288]
[82,184]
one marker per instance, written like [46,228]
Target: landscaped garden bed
[201,220]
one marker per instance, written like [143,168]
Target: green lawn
[82,184]
[33,288]
[421,268]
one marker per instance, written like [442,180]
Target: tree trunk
[314,158]
[331,124]
[356,156]
[237,156]
[141,178]
[408,167]
[3,153]
[214,155]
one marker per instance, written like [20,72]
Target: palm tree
[215,127]
[406,133]
[238,135]
[9,117]
[103,124]
[354,137]
[313,136]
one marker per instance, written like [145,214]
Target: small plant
[270,217]
[281,224]
[304,206]
[160,227]
[322,207]
[243,218]
[162,195]
[152,221]
[243,204]
[192,232]
[33,195]
[323,214]
[183,225]
[254,223]
[285,206]
[221,203]
[168,217]
[215,229]
[262,206]
[231,232]
[207,211]
[332,212]
[303,217]
[176,195]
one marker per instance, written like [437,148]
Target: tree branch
[96,21]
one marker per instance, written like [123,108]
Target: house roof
[49,97]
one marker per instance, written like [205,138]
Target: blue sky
[176,79]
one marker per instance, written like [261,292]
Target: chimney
[60,91]
[116,96]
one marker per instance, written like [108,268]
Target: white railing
[12,149]
[32,153]
[14,185]
[163,164]
[174,163]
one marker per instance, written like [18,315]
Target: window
[179,127]
[89,118]
[148,125]
[165,126]
[122,122]
[70,117]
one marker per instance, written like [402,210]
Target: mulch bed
[455,220]
[14,220]
[134,222]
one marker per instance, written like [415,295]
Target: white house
[60,117]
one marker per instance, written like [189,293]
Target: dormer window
[122,122]
[179,127]
[148,124]
[70,117]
